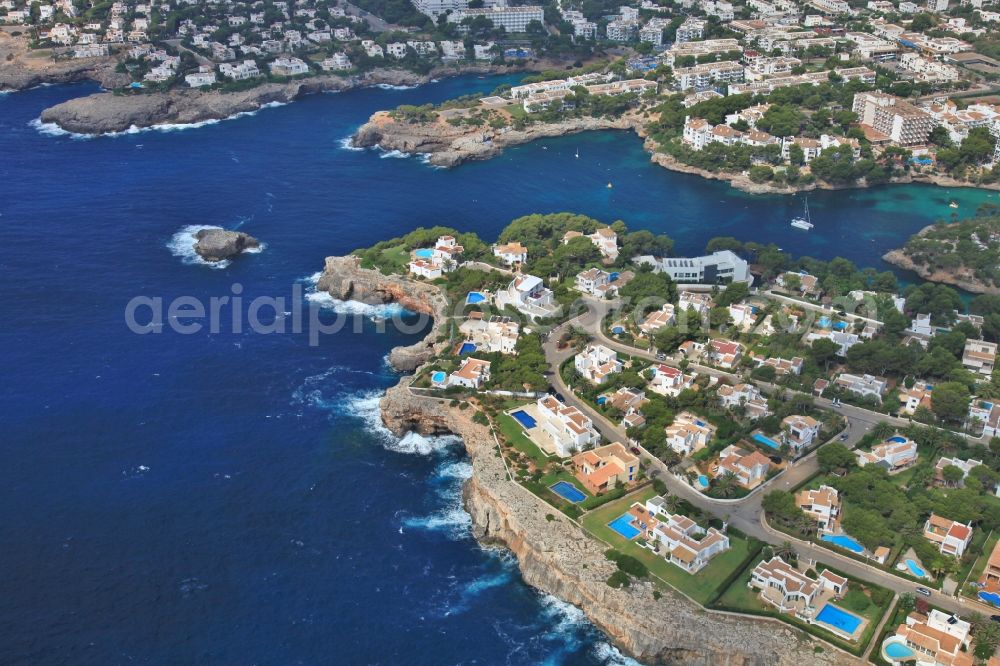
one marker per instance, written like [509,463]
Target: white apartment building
[596,363]
[512,19]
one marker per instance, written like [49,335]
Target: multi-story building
[936,639]
[950,536]
[605,467]
[706,74]
[888,118]
[686,543]
[670,381]
[790,590]
[690,30]
[965,466]
[689,433]
[799,432]
[512,19]
[895,454]
[745,396]
[749,468]
[865,386]
[719,267]
[567,430]
[596,363]
[473,373]
[979,356]
[822,505]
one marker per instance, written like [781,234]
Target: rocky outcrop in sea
[221,244]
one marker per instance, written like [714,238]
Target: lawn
[738,595]
[701,586]
[515,434]
[396,256]
[976,569]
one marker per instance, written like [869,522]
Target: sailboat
[804,222]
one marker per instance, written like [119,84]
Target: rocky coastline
[23,69]
[446,145]
[557,556]
[961,278]
[344,279]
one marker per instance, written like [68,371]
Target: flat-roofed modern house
[716,268]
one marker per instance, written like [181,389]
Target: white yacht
[803,222]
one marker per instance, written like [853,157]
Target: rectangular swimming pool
[622,525]
[839,619]
[766,441]
[568,491]
[524,419]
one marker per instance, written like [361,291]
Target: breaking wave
[181,244]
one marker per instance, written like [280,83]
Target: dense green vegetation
[970,247]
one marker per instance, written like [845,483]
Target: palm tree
[673,503]
[786,551]
[726,486]
[883,430]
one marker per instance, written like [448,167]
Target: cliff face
[558,557]
[963,278]
[344,279]
[447,145]
[23,69]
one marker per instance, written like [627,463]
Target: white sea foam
[609,655]
[389,86]
[565,616]
[181,244]
[452,519]
[354,308]
[347,143]
[393,154]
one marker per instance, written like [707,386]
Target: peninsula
[686,448]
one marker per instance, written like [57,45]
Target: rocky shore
[960,277]
[557,556]
[447,145]
[344,279]
[23,69]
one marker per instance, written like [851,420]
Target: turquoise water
[424,253]
[622,525]
[568,491]
[915,569]
[438,377]
[194,498]
[898,651]
[703,481]
[844,541]
[838,618]
[766,441]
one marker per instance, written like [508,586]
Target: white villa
[596,362]
[686,543]
[657,319]
[511,254]
[496,334]
[790,590]
[746,396]
[472,374]
[528,294]
[822,505]
[567,429]
[799,432]
[895,454]
[689,433]
[950,536]
[670,381]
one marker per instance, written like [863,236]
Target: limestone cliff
[344,279]
[558,557]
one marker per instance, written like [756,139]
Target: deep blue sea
[231,498]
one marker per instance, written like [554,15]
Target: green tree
[950,401]
[833,456]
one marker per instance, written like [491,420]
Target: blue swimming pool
[898,651]
[844,541]
[915,569]
[424,253]
[839,619]
[568,491]
[766,441]
[438,377]
[467,348]
[622,525]
[601,399]
[824,322]
[703,481]
[896,439]
[991,598]
[524,419]
[618,330]
[475,297]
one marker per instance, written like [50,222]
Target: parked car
[661,357]
[775,459]
[924,591]
[635,450]
[843,437]
[995,618]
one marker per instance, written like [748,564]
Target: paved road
[745,514]
[377,24]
